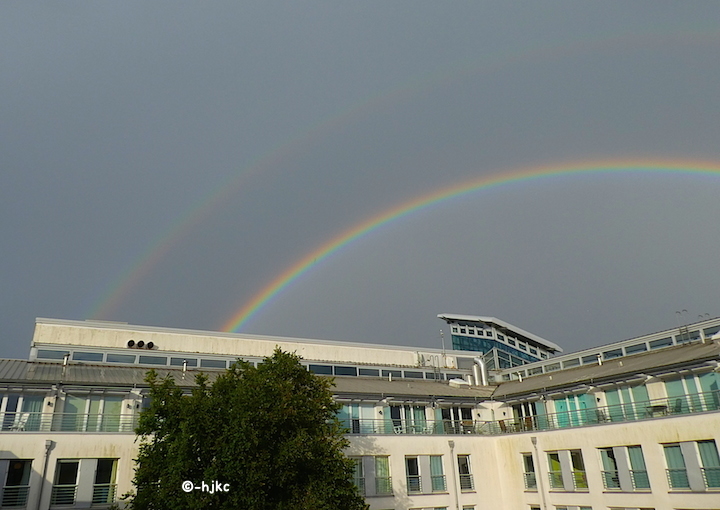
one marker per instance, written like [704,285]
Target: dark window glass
[105,468]
[571,363]
[454,376]
[394,373]
[369,371]
[523,347]
[663,342]
[48,354]
[346,371]
[592,358]
[511,341]
[120,358]
[87,356]
[535,371]
[430,375]
[632,349]
[18,473]
[212,363]
[153,360]
[66,473]
[615,353]
[533,351]
[321,369]
[178,362]
[413,375]
[552,367]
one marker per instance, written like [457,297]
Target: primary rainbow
[265,296]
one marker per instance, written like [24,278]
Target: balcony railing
[611,479]
[556,480]
[14,496]
[383,485]
[438,483]
[360,482]
[640,479]
[63,495]
[413,483]
[645,410]
[678,478]
[103,493]
[67,422]
[711,476]
[530,481]
[580,480]
[466,482]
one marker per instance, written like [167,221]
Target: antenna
[442,339]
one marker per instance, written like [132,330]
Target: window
[615,353]
[529,471]
[632,349]
[500,337]
[471,331]
[120,358]
[676,470]
[17,483]
[22,412]
[663,342]
[638,471]
[710,463]
[213,363]
[578,470]
[412,470]
[321,369]
[50,354]
[369,371]
[571,363]
[358,418]
[178,362]
[358,474]
[393,373]
[407,419]
[104,486]
[383,481]
[346,371]
[456,420]
[64,489]
[153,360]
[437,475]
[533,351]
[610,474]
[413,375]
[466,479]
[87,356]
[592,358]
[454,330]
[555,471]
[522,346]
[627,402]
[462,331]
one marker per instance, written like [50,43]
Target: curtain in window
[33,406]
[614,405]
[436,473]
[637,466]
[73,417]
[709,454]
[674,457]
[676,396]
[112,409]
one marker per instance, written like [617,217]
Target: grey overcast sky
[161,163]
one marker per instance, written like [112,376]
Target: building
[630,425]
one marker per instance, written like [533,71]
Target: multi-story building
[633,424]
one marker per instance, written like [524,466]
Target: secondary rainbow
[292,273]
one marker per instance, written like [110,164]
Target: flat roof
[505,325]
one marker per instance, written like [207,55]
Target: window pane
[66,473]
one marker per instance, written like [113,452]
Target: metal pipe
[48,446]
[483,371]
[451,444]
[539,474]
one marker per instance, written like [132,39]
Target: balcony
[466,482]
[103,493]
[63,495]
[14,496]
[611,480]
[623,413]
[67,422]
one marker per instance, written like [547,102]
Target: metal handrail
[678,478]
[466,482]
[104,493]
[611,479]
[711,476]
[67,422]
[640,479]
[63,495]
[383,485]
[530,480]
[438,483]
[414,483]
[14,495]
[643,410]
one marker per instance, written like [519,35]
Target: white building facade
[630,425]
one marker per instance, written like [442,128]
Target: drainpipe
[479,368]
[539,474]
[451,444]
[48,446]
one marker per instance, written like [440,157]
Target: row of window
[70,475]
[154,360]
[692,465]
[488,333]
[424,474]
[618,352]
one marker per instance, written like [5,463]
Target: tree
[270,433]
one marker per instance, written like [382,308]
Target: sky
[166,163]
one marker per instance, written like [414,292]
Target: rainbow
[364,228]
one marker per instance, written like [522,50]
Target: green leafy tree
[270,433]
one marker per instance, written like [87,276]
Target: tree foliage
[269,432]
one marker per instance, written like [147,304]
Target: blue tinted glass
[120,358]
[87,356]
[47,354]
[345,371]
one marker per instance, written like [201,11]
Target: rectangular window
[87,356]
[64,489]
[413,375]
[632,349]
[663,342]
[638,471]
[552,367]
[437,474]
[610,474]
[676,470]
[372,372]
[571,363]
[358,474]
[529,473]
[321,369]
[592,358]
[710,463]
[104,486]
[17,483]
[213,363]
[153,360]
[51,354]
[412,469]
[352,371]
[578,470]
[533,351]
[615,353]
[120,358]
[394,373]
[466,478]
[178,362]
[383,481]
[555,471]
